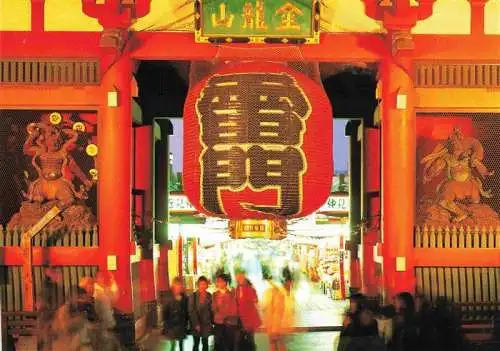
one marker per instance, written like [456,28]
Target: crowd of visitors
[410,324]
[232,315]
[86,322]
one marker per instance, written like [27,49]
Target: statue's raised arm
[71,141]
[434,162]
[34,141]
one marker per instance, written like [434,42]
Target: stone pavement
[314,311]
[316,341]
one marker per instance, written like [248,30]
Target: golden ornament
[93,173]
[91,150]
[55,118]
[79,127]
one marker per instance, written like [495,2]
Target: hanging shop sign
[270,21]
[336,204]
[334,211]
[181,211]
[179,203]
[257,143]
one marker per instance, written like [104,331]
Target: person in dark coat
[405,331]
[360,327]
[225,314]
[427,335]
[200,314]
[175,315]
[447,321]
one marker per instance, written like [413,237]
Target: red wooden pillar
[37,15]
[371,189]
[115,181]
[398,174]
[162,269]
[477,16]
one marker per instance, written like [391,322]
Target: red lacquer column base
[398,175]
[115,181]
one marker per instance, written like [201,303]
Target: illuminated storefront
[312,245]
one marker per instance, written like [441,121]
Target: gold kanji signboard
[270,21]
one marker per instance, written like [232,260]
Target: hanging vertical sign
[257,143]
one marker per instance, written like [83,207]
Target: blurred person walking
[351,318]
[225,315]
[405,332]
[279,310]
[273,307]
[248,313]
[288,320]
[448,326]
[77,326]
[175,315]
[360,328]
[427,337]
[100,293]
[47,304]
[385,318]
[200,314]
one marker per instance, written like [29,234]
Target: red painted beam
[50,97]
[456,257]
[54,256]
[457,48]
[181,46]
[49,44]
[333,47]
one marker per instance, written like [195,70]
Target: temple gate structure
[425,167]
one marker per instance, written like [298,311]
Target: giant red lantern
[257,143]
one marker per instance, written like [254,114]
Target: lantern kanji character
[252,109]
[221,170]
[281,170]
